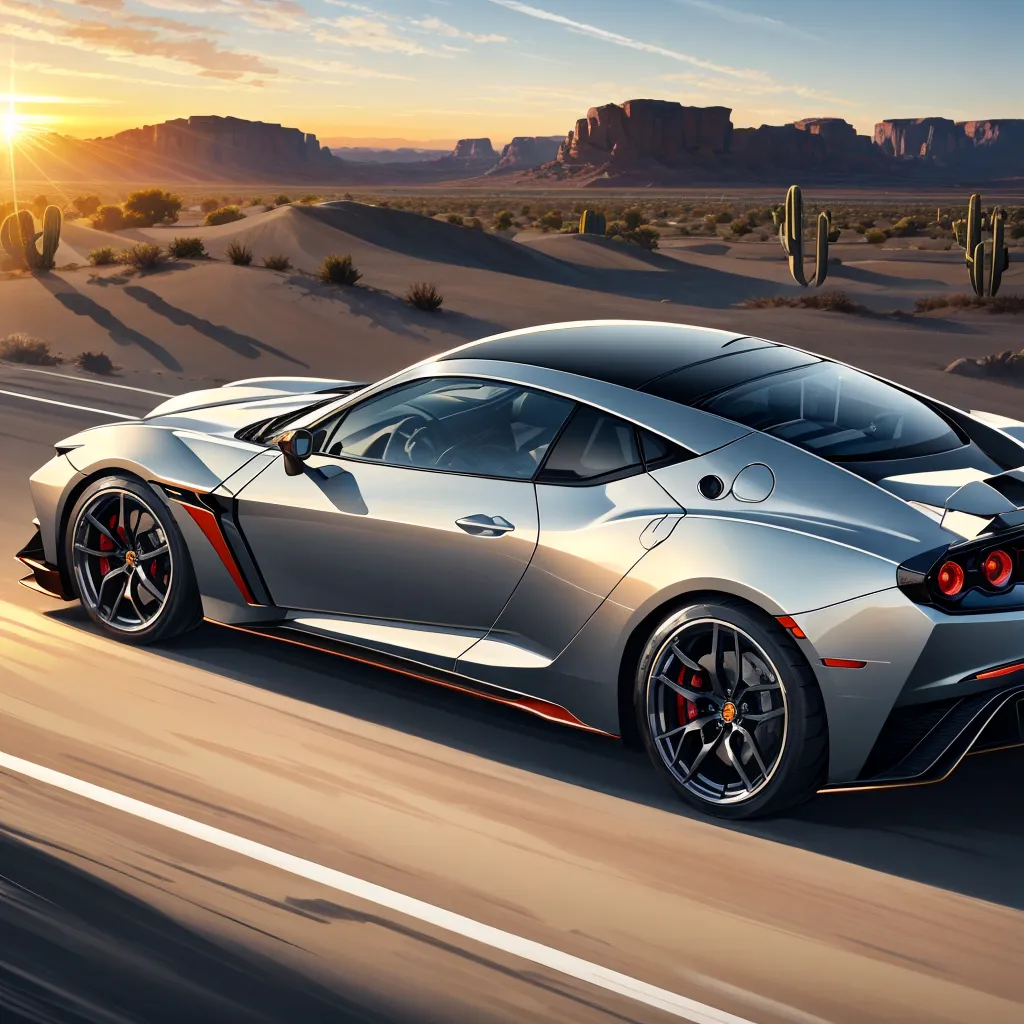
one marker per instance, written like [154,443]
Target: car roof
[633,353]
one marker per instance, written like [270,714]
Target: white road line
[89,380]
[535,952]
[67,405]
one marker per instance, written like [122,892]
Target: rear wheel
[730,712]
[129,563]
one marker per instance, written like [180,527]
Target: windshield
[837,413]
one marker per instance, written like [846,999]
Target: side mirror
[297,446]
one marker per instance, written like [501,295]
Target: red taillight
[998,568]
[950,579]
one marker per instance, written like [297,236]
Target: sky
[438,70]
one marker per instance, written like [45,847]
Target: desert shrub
[95,362]
[239,254]
[86,206]
[282,200]
[475,223]
[209,204]
[875,236]
[103,257]
[276,261]
[645,236]
[224,215]
[454,218]
[905,226]
[311,199]
[524,210]
[338,270]
[187,248]
[1016,231]
[633,218]
[109,218]
[256,201]
[832,302]
[21,348]
[990,303]
[424,295]
[38,205]
[723,217]
[142,256]
[153,206]
[502,220]
[551,221]
[741,226]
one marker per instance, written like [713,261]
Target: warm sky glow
[441,69]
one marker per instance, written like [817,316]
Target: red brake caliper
[106,544]
[687,709]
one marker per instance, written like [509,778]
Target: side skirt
[450,680]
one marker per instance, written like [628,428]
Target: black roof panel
[691,383]
[628,354]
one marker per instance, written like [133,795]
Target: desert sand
[190,323]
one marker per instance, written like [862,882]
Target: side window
[460,425]
[594,447]
[660,451]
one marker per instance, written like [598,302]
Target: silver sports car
[777,573]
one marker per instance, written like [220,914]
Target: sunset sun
[12,126]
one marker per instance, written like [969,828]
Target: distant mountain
[402,155]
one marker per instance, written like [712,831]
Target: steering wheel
[410,443]
[484,458]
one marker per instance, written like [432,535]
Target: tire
[734,748]
[128,562]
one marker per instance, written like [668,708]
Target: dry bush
[223,215]
[875,236]
[187,248]
[277,261]
[1008,366]
[103,257]
[209,204]
[424,295]
[832,302]
[454,218]
[281,200]
[109,218]
[239,254]
[142,256]
[338,270]
[151,206]
[95,362]
[990,303]
[22,348]
[86,206]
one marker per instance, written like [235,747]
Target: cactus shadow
[241,344]
[120,333]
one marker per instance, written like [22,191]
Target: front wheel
[730,712]
[129,563]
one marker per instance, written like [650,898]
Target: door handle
[484,526]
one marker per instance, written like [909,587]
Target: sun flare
[12,126]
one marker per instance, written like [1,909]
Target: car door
[600,512]
[418,505]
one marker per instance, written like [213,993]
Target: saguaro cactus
[592,223]
[968,237]
[18,237]
[790,222]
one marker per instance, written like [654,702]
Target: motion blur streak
[545,956]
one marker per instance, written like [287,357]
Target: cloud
[729,87]
[368,34]
[23,99]
[747,18]
[147,46]
[582,28]
[435,26]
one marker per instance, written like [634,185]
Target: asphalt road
[896,906]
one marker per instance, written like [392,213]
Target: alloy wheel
[122,560]
[717,711]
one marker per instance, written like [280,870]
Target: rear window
[594,447]
[837,413]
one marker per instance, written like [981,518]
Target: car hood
[242,403]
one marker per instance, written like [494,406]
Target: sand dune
[198,321]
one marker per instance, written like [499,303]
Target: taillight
[950,578]
[997,568]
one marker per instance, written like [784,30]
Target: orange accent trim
[788,622]
[207,522]
[842,663]
[534,705]
[1006,670]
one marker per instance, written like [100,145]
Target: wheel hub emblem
[728,711]
[130,559]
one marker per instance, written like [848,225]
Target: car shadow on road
[963,835]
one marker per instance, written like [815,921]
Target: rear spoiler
[1012,427]
[987,506]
